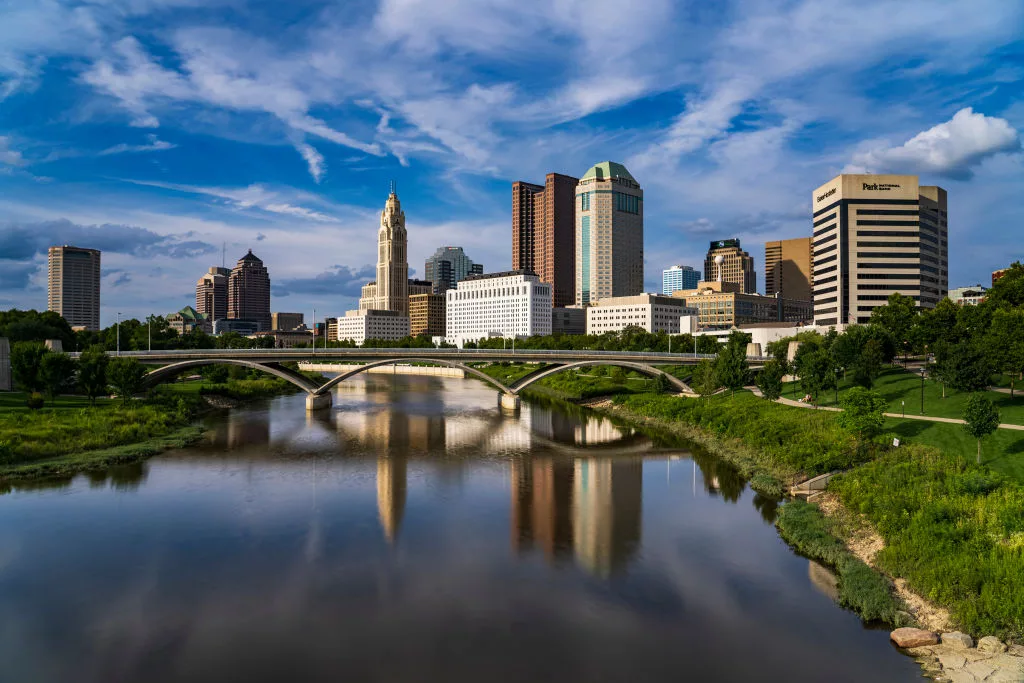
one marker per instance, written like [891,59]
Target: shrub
[35,400]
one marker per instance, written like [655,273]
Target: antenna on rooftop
[224,255]
[392,187]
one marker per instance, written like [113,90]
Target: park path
[926,418]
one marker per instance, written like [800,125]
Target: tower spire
[392,187]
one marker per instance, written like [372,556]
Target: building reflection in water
[587,508]
[392,480]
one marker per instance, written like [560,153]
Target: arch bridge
[173,363]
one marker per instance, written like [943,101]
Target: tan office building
[609,234]
[544,233]
[874,235]
[787,268]
[390,291]
[426,314]
[212,294]
[720,305]
[249,292]
[74,286]
[737,265]
[651,312]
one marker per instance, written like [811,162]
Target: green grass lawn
[1003,451]
[14,401]
[897,385]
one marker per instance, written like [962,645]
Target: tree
[964,367]
[126,377]
[705,378]
[816,372]
[1008,290]
[731,365]
[863,413]
[897,316]
[868,364]
[27,326]
[1005,342]
[56,373]
[26,361]
[769,380]
[981,418]
[92,373]
[707,344]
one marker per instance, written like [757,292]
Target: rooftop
[606,170]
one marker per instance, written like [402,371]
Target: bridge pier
[318,402]
[510,402]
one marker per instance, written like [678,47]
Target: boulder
[957,641]
[991,645]
[913,637]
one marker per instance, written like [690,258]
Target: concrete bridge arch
[166,372]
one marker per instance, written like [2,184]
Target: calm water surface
[416,534]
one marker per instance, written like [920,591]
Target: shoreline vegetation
[951,530]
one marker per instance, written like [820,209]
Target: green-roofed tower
[609,234]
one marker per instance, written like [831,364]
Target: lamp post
[314,330]
[922,390]
[150,333]
[119,333]
[903,405]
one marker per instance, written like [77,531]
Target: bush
[35,400]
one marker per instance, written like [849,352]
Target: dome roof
[606,170]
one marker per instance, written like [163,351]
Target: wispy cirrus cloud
[251,197]
[154,144]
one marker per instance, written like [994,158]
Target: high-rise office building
[874,235]
[249,292]
[287,321]
[212,293]
[679,277]
[736,265]
[447,266]
[787,268]
[427,314]
[509,304]
[609,234]
[390,291]
[544,232]
[74,285]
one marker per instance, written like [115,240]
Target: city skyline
[111,139]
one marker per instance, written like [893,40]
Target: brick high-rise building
[74,285]
[212,294]
[249,291]
[544,233]
[737,265]
[427,315]
[787,268]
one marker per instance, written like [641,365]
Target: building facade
[249,291]
[287,321]
[568,320]
[678,277]
[212,293]
[358,326]
[239,325]
[650,312]
[737,266]
[447,266]
[996,274]
[968,296]
[73,286]
[721,305]
[875,235]
[427,314]
[509,304]
[544,233]
[609,234]
[787,268]
[390,291]
[188,320]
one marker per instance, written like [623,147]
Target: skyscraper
[447,266]
[544,232]
[74,285]
[679,277]
[875,235]
[212,293]
[737,266]
[390,291]
[787,268]
[249,291]
[609,234]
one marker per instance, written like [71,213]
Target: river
[414,533]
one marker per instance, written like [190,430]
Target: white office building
[510,304]
[358,326]
[651,312]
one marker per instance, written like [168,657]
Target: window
[585,201]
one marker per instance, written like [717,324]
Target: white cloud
[154,145]
[8,156]
[951,149]
[314,159]
[251,197]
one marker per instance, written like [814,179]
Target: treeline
[39,371]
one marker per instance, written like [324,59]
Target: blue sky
[160,130]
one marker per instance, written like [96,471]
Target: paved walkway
[926,418]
